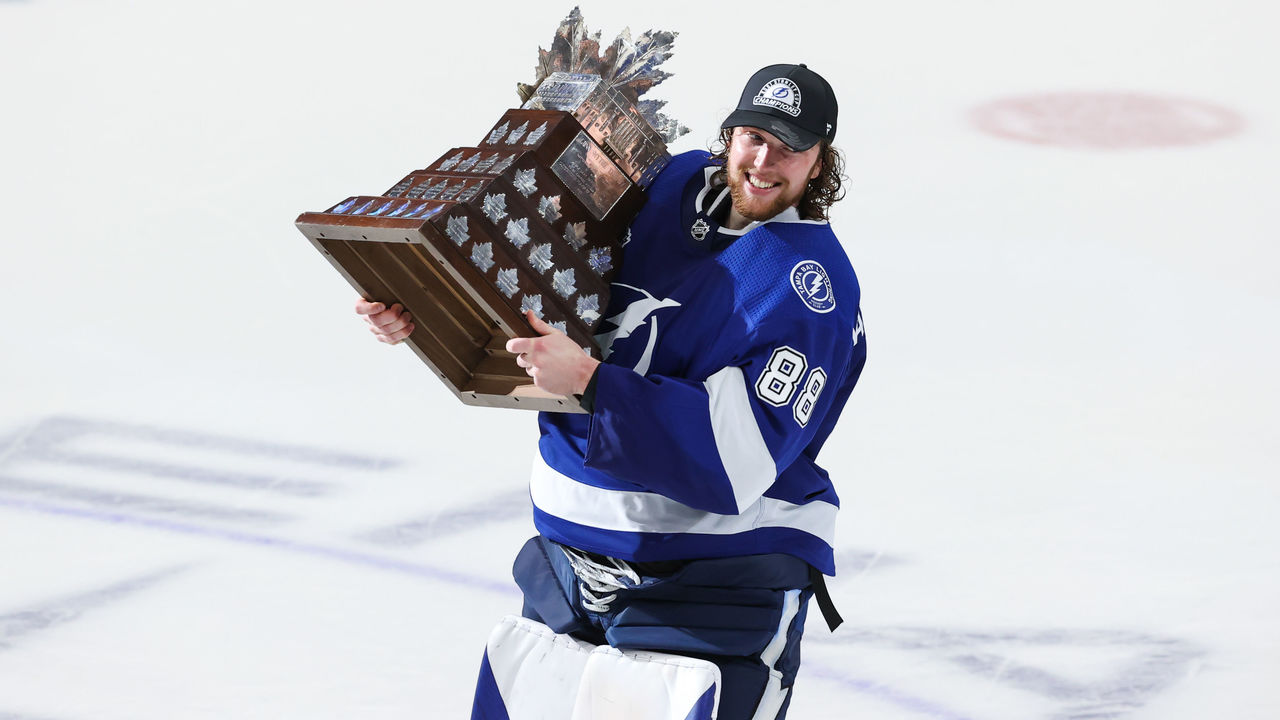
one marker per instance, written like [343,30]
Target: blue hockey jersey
[728,358]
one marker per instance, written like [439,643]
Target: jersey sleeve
[718,444]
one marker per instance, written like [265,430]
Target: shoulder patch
[810,281]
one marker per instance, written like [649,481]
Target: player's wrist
[586,371]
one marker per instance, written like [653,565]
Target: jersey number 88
[781,378]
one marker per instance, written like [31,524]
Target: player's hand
[556,363]
[388,324]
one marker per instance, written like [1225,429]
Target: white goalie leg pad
[542,675]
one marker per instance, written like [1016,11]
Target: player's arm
[719,444]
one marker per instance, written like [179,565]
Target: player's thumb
[538,325]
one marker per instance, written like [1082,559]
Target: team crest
[699,230]
[811,283]
[780,94]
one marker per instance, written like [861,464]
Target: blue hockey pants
[745,614]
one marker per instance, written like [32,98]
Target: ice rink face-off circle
[1106,120]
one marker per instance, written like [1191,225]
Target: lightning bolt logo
[811,282]
[815,284]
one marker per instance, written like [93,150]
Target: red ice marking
[1106,121]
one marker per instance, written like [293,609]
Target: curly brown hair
[822,191]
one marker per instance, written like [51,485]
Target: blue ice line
[881,691]
[507,589]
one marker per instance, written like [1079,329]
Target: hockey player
[684,522]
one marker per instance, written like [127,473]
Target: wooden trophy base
[531,218]
[458,333]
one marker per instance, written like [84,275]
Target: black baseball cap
[790,101]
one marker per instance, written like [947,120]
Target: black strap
[828,608]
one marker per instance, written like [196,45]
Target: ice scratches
[495,509]
[50,433]
[61,446]
[1153,663]
[69,609]
[186,473]
[117,501]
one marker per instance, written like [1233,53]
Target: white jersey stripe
[773,651]
[631,511]
[743,452]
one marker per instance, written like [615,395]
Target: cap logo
[779,94]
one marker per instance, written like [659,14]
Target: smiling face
[765,176]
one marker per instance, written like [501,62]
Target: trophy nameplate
[531,218]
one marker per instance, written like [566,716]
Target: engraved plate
[469,163]
[518,231]
[600,260]
[404,207]
[576,235]
[495,207]
[540,257]
[363,208]
[563,283]
[508,281]
[591,175]
[562,91]
[497,133]
[344,206]
[549,208]
[561,325]
[531,302]
[384,208]
[457,230]
[536,135]
[589,308]
[503,164]
[448,164]
[518,133]
[482,256]
[525,182]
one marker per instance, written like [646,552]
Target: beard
[756,209]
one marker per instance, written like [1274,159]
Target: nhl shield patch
[699,230]
[810,281]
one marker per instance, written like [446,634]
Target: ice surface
[220,499]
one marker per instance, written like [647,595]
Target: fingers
[389,318]
[395,336]
[389,324]
[538,325]
[525,346]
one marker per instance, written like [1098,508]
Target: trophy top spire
[628,66]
